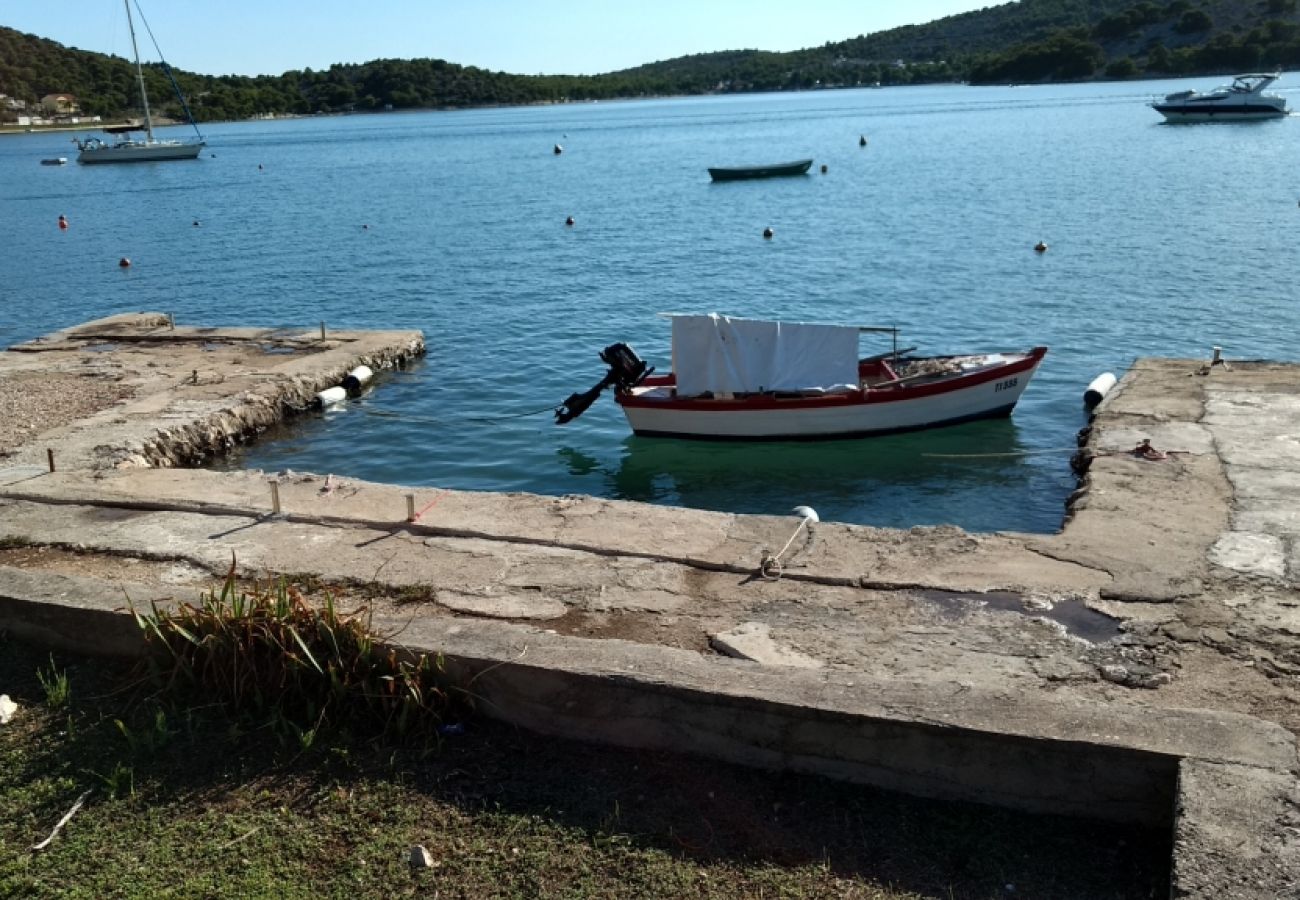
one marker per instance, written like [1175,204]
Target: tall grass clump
[273,659]
[56,684]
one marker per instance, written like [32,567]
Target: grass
[57,687]
[270,657]
[190,802]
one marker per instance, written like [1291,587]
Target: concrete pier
[1140,665]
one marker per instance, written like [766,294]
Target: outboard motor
[626,371]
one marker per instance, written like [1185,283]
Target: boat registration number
[1006,385]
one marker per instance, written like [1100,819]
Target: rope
[995,455]
[769,567]
[428,506]
[167,70]
[384,414]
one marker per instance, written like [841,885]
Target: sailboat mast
[139,72]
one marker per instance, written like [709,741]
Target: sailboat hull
[140,151]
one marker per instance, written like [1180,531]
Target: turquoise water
[1165,240]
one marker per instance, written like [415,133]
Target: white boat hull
[654,410]
[1251,114]
[140,151]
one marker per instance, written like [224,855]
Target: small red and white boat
[745,379]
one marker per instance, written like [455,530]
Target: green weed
[150,739]
[119,783]
[301,669]
[58,689]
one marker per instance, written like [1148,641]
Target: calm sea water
[1165,240]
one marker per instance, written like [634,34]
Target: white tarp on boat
[724,355]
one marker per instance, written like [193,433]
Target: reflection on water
[890,481]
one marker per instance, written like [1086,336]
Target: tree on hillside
[1065,56]
[1192,21]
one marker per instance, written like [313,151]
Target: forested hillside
[1029,41]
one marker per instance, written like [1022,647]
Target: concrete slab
[1251,483]
[1262,555]
[164,395]
[753,641]
[1176,437]
[1236,832]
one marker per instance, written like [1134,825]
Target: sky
[579,37]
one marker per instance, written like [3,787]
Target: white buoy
[330,396]
[1098,389]
[357,378]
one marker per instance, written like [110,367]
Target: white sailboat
[151,149]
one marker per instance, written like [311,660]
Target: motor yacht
[1243,100]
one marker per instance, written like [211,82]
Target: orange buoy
[124,263]
[1040,247]
[768,232]
[63,223]
[569,220]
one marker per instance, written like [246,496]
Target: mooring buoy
[63,223]
[569,221]
[124,263]
[768,232]
[823,168]
[1040,247]
[862,140]
[558,150]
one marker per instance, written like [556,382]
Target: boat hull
[799,167]
[1249,112]
[140,151]
[654,410]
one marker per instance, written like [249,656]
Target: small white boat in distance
[746,379]
[1242,101]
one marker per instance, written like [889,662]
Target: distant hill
[1033,40]
[1029,41]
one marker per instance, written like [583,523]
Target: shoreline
[38,129]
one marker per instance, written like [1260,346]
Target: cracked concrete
[1170,592]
